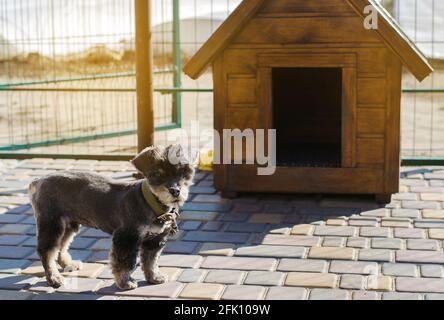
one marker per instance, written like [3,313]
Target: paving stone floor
[254,247]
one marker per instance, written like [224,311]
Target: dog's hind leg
[151,250]
[49,237]
[64,258]
[123,257]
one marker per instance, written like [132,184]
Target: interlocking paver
[409,233]
[433,214]
[206,236]
[429,223]
[386,243]
[225,276]
[271,251]
[14,252]
[332,253]
[400,269]
[15,295]
[303,265]
[79,285]
[302,229]
[239,263]
[212,226]
[353,267]
[406,213]
[335,231]
[432,271]
[266,218]
[420,205]
[422,244]
[311,280]
[329,294]
[434,296]
[190,225]
[183,247]
[378,255]
[217,249]
[286,293]
[334,241]
[198,215]
[16,282]
[12,240]
[277,239]
[357,242]
[396,222]
[400,296]
[429,285]
[417,256]
[192,275]
[180,260]
[379,283]
[239,292]
[436,234]
[13,265]
[365,295]
[264,278]
[374,232]
[209,291]
[15,228]
[246,227]
[352,281]
[164,290]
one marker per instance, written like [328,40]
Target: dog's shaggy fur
[63,201]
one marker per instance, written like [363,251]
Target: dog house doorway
[307,115]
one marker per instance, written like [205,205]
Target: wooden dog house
[329,86]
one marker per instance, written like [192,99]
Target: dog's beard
[166,198]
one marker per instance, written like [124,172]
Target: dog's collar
[158,207]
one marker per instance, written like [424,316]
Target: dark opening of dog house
[307,108]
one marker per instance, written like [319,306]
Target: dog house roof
[389,30]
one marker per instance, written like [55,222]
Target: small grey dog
[140,214]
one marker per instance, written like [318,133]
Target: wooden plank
[242,90]
[393,125]
[240,61]
[242,118]
[396,40]
[308,180]
[309,60]
[372,61]
[222,37]
[305,30]
[370,151]
[371,121]
[348,117]
[219,97]
[372,91]
[318,6]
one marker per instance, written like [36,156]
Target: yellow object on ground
[206,160]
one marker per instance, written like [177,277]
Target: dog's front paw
[127,285]
[157,278]
[73,266]
[55,280]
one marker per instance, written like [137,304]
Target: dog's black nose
[174,192]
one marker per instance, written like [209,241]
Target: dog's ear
[176,154]
[148,158]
